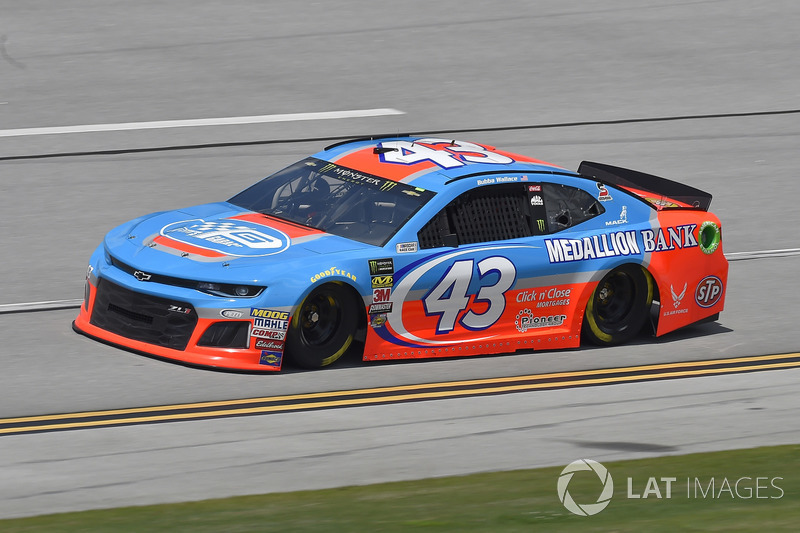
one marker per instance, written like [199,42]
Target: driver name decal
[237,238]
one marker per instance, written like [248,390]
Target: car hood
[218,242]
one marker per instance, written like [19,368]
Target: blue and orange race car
[405,247]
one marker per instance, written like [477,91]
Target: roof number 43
[445,153]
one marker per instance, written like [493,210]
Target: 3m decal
[673,238]
[237,238]
[619,243]
[449,297]
[381,295]
[381,266]
[442,152]
[708,291]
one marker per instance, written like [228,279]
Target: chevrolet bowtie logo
[142,276]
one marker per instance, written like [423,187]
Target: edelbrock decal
[231,237]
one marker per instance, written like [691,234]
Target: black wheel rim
[319,319]
[614,299]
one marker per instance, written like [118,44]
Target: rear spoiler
[648,183]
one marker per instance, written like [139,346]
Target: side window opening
[568,206]
[486,214]
[508,211]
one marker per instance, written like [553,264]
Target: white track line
[762,254]
[74,304]
[39,306]
[224,121]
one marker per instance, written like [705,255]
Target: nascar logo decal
[237,238]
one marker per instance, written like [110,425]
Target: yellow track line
[378,390]
[431,395]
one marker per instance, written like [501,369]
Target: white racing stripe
[224,121]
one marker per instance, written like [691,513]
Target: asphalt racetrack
[703,92]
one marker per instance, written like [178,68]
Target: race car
[409,247]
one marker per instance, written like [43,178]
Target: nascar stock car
[408,247]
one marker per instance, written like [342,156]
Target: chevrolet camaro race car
[405,247]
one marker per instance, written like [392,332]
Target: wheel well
[361,332]
[652,283]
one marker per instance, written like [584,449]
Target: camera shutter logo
[587,509]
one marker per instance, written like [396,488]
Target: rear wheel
[323,327]
[619,306]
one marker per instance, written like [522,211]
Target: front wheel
[619,306]
[323,327]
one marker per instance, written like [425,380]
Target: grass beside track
[753,490]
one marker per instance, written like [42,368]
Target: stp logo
[708,291]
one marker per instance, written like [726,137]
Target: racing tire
[324,326]
[619,306]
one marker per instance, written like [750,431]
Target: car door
[482,276]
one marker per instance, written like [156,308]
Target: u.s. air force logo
[231,237]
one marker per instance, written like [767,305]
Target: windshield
[336,200]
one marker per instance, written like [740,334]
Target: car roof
[432,162]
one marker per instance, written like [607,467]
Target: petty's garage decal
[231,237]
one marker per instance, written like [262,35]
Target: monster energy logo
[380,267]
[540,224]
[327,167]
[388,186]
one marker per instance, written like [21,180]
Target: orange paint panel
[294,231]
[240,359]
[679,274]
[367,161]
